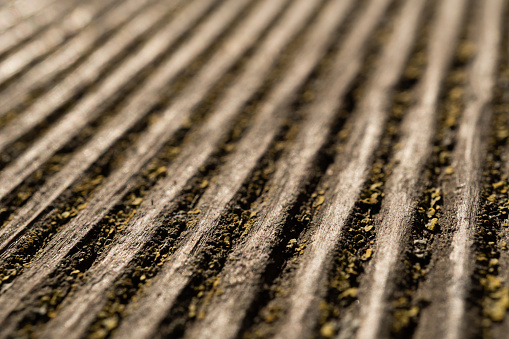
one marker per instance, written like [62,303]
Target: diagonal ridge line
[90,106]
[67,54]
[404,184]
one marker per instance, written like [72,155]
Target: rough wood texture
[254,168]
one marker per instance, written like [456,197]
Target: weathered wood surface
[254,168]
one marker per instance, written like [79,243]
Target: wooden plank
[17,11]
[468,160]
[66,55]
[368,127]
[89,107]
[14,37]
[278,113]
[405,183]
[141,153]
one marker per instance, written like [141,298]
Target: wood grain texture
[254,168]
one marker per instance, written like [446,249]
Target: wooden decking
[254,168]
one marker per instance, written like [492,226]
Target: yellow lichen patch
[319,201]
[136,201]
[496,306]
[366,220]
[449,170]
[204,183]
[271,313]
[372,200]
[496,303]
[435,196]
[491,282]
[368,254]
[501,185]
[402,318]
[432,224]
[110,323]
[192,310]
[349,293]
[82,206]
[417,271]
[327,330]
[291,243]
[157,172]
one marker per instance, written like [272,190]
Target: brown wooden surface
[254,168]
